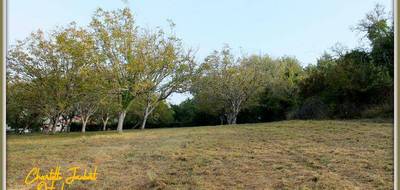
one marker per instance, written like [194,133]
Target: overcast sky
[303,29]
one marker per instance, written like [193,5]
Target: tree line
[114,74]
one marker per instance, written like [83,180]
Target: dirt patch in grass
[279,155]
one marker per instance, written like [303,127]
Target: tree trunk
[231,118]
[136,124]
[233,113]
[105,123]
[69,125]
[25,128]
[65,123]
[121,121]
[228,119]
[144,121]
[62,128]
[145,116]
[221,119]
[53,129]
[149,109]
[70,117]
[234,120]
[84,122]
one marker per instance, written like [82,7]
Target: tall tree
[79,47]
[168,69]
[117,38]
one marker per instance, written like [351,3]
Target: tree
[21,110]
[38,62]
[118,40]
[280,88]
[79,47]
[107,108]
[378,28]
[169,69]
[185,112]
[228,82]
[88,97]
[147,64]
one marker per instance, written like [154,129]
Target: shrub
[378,111]
[312,108]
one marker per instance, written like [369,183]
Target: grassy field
[279,155]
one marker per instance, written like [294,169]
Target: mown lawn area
[279,155]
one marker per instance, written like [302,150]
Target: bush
[378,111]
[312,108]
[347,110]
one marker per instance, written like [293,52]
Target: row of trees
[100,69]
[112,69]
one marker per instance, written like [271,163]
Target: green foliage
[21,110]
[44,66]
[378,27]
[184,112]
[227,84]
[348,84]
[281,91]
[162,115]
[141,63]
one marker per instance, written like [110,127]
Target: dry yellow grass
[279,155]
